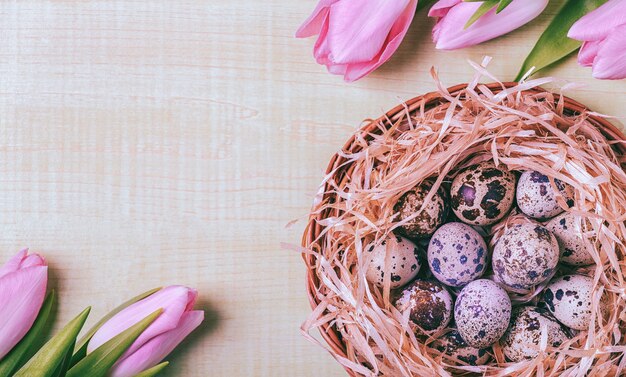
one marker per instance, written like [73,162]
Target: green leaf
[154,370]
[503,4]
[424,4]
[99,362]
[554,45]
[65,365]
[81,349]
[50,356]
[485,7]
[14,359]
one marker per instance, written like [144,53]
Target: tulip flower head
[450,32]
[357,36]
[177,320]
[23,283]
[603,33]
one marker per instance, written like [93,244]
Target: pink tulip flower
[23,282]
[177,320]
[603,33]
[450,33]
[357,36]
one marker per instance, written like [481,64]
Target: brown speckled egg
[429,303]
[453,345]
[482,312]
[430,218]
[569,299]
[523,337]
[524,256]
[536,197]
[568,230]
[482,194]
[403,261]
[457,254]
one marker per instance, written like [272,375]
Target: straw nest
[518,125]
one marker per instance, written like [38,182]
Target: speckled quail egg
[396,256]
[457,254]
[536,197]
[522,339]
[568,298]
[482,194]
[568,230]
[453,345]
[482,312]
[428,219]
[429,304]
[524,256]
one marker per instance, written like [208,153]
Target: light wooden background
[158,142]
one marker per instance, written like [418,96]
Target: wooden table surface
[157,142]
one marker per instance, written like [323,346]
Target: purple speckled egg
[395,256]
[523,337]
[429,218]
[536,197]
[482,312]
[429,304]
[453,345]
[457,254]
[524,256]
[568,298]
[482,194]
[568,230]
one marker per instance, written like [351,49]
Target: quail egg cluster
[455,288]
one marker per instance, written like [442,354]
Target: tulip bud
[177,320]
[603,33]
[23,282]
[450,32]
[357,36]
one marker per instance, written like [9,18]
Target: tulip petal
[451,33]
[437,31]
[610,63]
[597,25]
[155,350]
[13,264]
[442,7]
[312,25]
[321,49]
[99,362]
[80,350]
[337,69]
[357,36]
[588,52]
[21,260]
[396,35]
[173,300]
[21,295]
[359,28]
[32,260]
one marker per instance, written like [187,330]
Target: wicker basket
[343,174]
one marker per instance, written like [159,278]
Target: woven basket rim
[430,100]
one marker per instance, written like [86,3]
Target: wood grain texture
[154,142]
